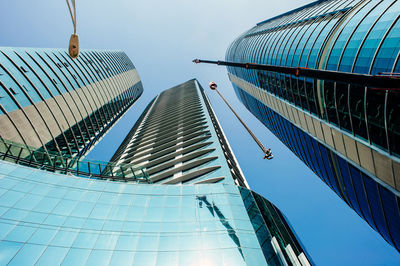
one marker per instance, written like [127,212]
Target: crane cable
[267,152]
[73,48]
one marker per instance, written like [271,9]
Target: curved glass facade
[52,219]
[347,134]
[56,104]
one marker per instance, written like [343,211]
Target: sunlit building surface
[348,135]
[58,105]
[195,207]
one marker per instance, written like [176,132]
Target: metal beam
[363,80]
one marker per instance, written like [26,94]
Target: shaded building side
[347,134]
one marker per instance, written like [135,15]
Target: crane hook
[73,48]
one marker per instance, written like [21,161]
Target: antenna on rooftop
[267,152]
[73,48]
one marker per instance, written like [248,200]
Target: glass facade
[50,219]
[55,104]
[347,134]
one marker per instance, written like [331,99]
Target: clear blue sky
[161,38]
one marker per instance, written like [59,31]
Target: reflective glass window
[345,34]
[358,36]
[391,211]
[361,196]
[376,207]
[348,184]
[374,38]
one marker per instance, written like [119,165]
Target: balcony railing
[28,156]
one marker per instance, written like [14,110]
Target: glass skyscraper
[58,105]
[190,206]
[347,134]
[178,140]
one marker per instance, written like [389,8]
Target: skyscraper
[58,105]
[347,134]
[209,217]
[178,140]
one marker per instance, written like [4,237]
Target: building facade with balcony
[347,134]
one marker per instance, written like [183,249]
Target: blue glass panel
[328,167]
[289,136]
[31,85]
[345,34]
[318,45]
[168,257]
[99,257]
[360,192]
[28,255]
[397,68]
[300,146]
[281,46]
[53,256]
[107,241]
[231,257]
[385,59]
[276,41]
[43,236]
[64,238]
[122,258]
[15,89]
[267,45]
[254,256]
[367,52]
[311,152]
[293,46]
[85,240]
[76,256]
[376,208]
[8,251]
[80,76]
[301,43]
[46,72]
[348,185]
[36,217]
[360,33]
[320,168]
[15,214]
[145,259]
[282,58]
[52,61]
[38,77]
[20,233]
[391,210]
[309,44]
